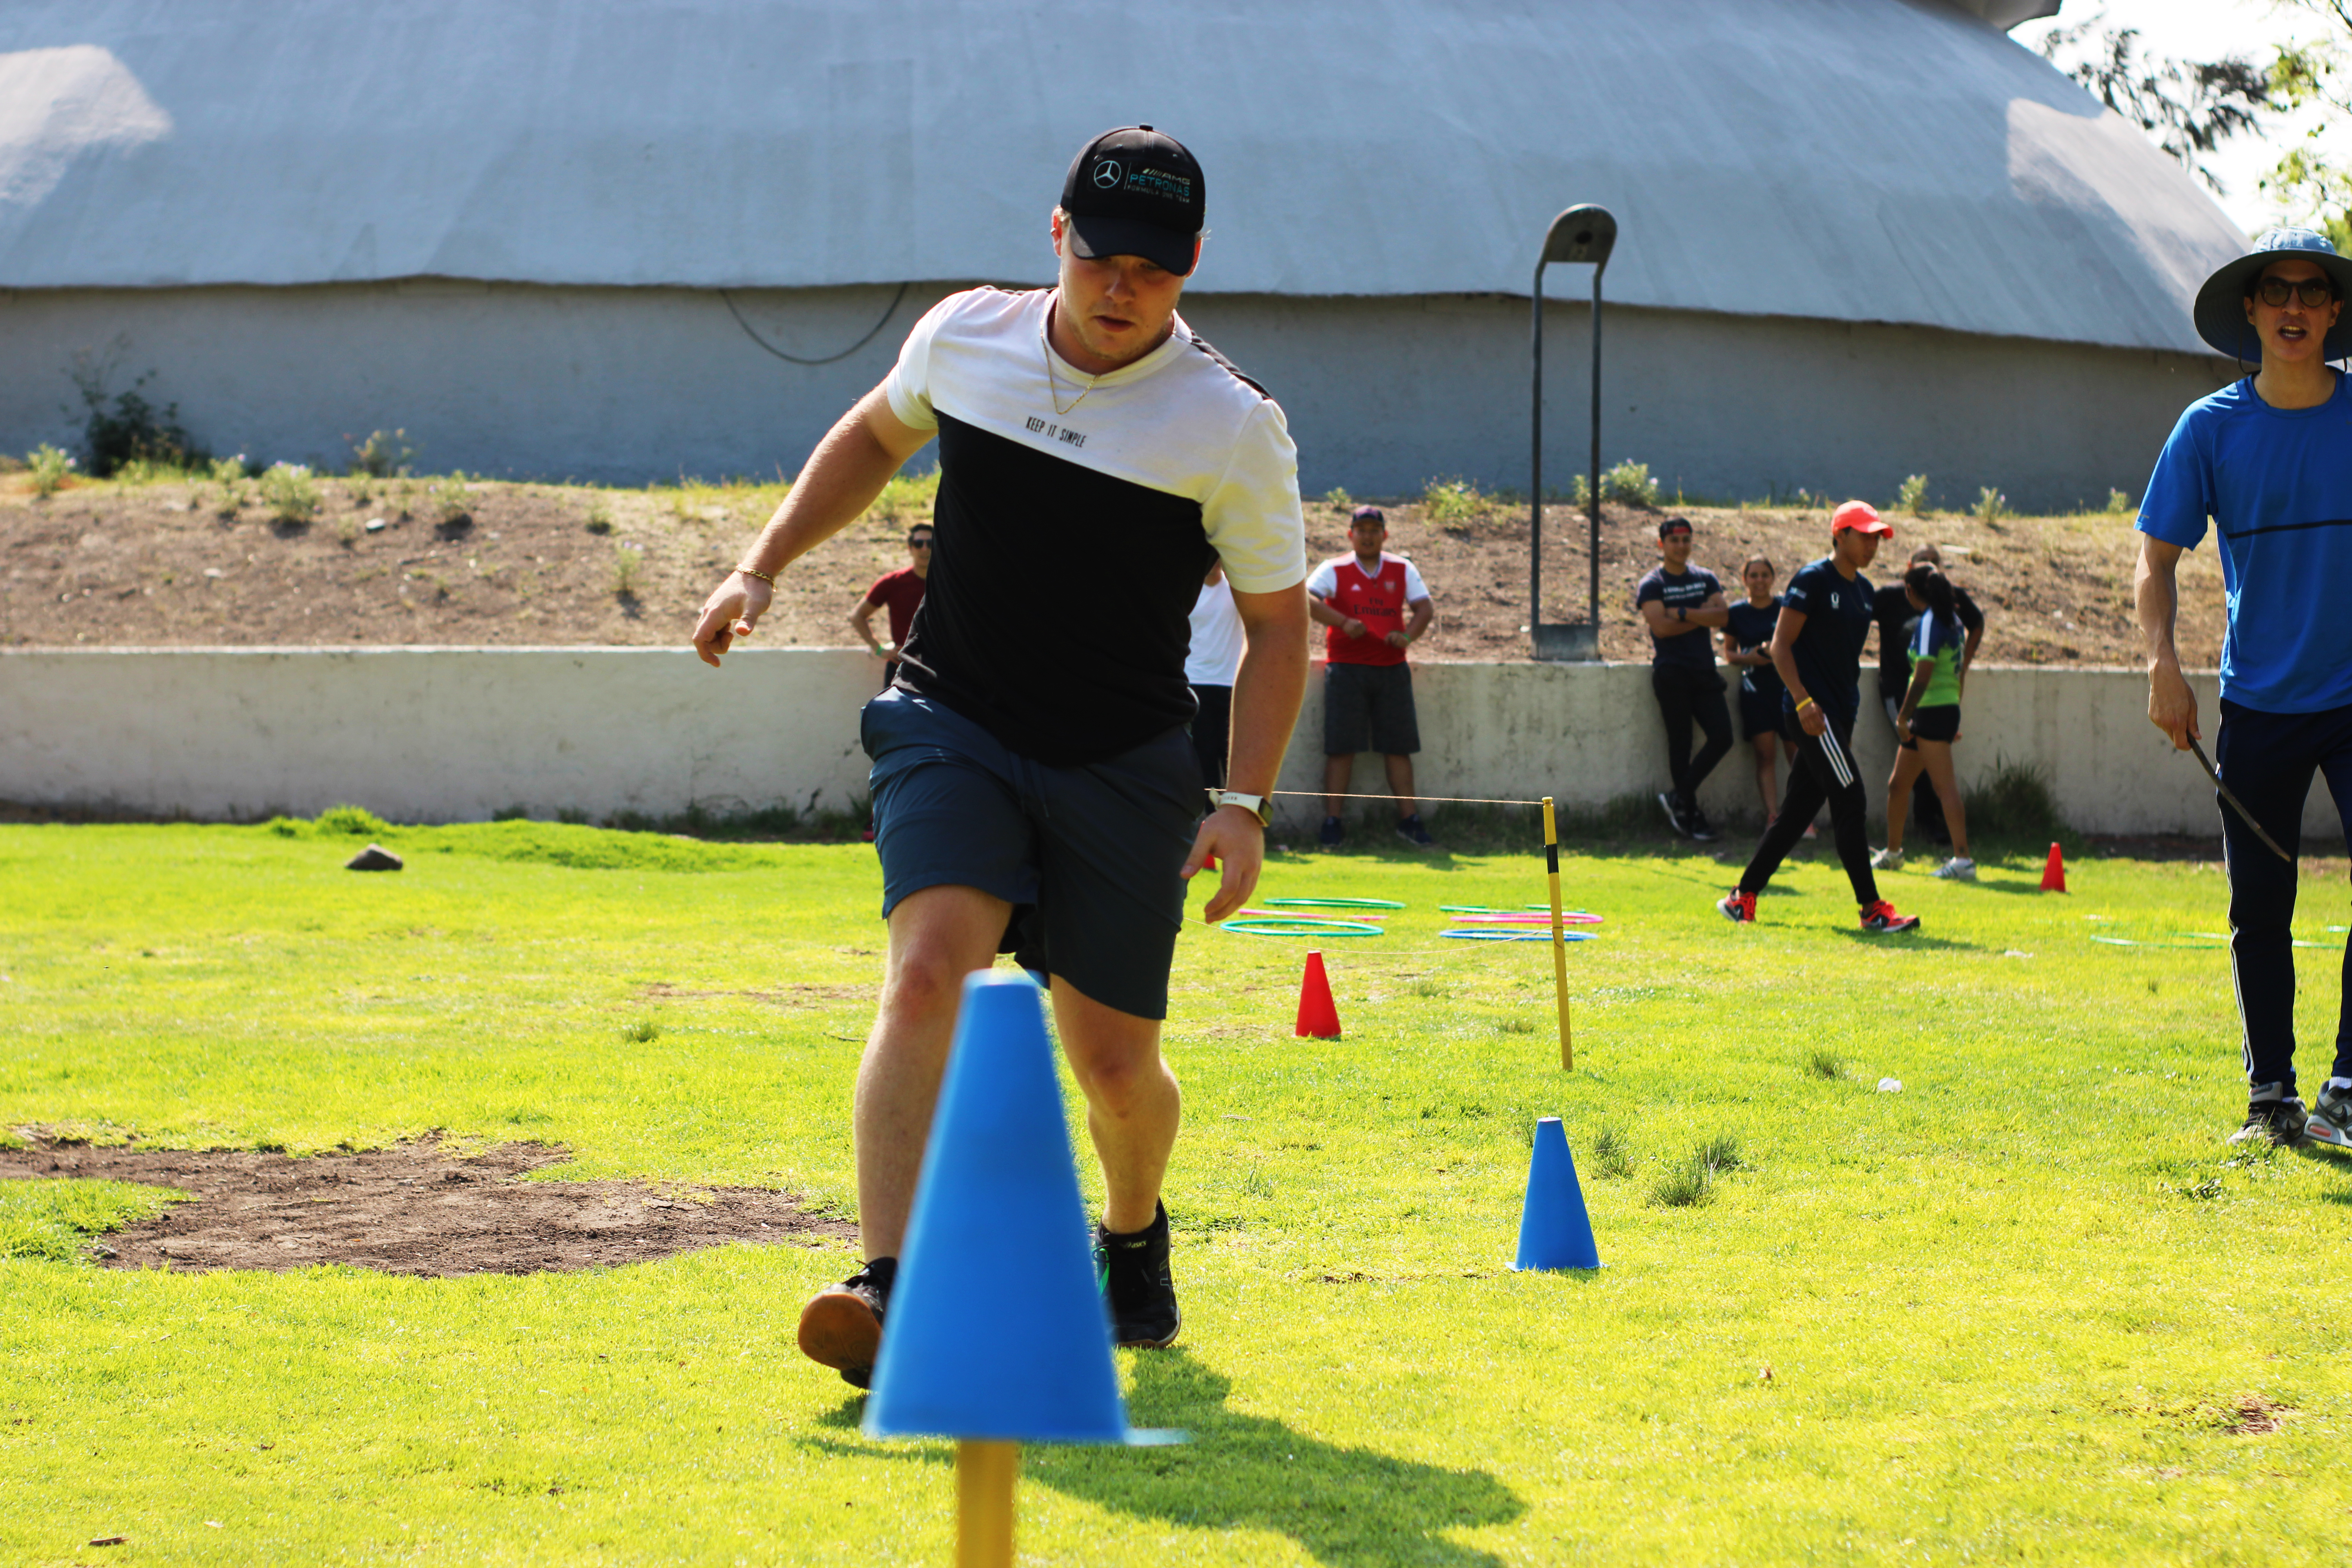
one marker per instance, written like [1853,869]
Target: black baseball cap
[1135,192]
[1368,514]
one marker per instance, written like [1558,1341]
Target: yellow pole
[1559,938]
[984,1475]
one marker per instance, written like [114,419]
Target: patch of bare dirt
[2251,1415]
[169,564]
[413,1209]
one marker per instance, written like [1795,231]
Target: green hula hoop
[1333,903]
[1303,925]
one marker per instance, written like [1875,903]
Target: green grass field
[2028,1308]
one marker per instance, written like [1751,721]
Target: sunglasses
[918,544]
[2314,293]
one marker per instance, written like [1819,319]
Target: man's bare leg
[936,937]
[1400,782]
[1335,785]
[1133,1106]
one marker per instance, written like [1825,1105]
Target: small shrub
[1450,501]
[230,474]
[1629,482]
[450,501]
[1911,496]
[600,516]
[1338,499]
[628,570]
[1822,1062]
[1516,1026]
[1683,1186]
[353,821]
[361,488]
[1580,491]
[642,1031]
[1612,1157]
[2013,802]
[50,467]
[1991,505]
[1258,1186]
[1720,1153]
[131,428]
[385,455]
[2118,502]
[290,492]
[348,531]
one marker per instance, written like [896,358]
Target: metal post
[1592,500]
[1535,467]
[1585,234]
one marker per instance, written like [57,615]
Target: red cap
[1862,517]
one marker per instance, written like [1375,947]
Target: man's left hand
[1238,841]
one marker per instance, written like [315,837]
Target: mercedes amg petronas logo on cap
[1107,173]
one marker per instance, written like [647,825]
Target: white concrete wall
[453,734]
[624,386]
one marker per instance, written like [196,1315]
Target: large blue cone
[1554,1230]
[997,1328]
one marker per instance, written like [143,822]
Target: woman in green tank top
[1929,722]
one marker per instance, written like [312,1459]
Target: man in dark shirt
[1898,623]
[1825,618]
[1682,605]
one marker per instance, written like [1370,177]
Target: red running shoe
[1881,917]
[1738,908]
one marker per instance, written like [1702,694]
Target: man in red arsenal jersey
[1375,606]
[901,593]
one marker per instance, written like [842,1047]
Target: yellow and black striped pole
[1558,937]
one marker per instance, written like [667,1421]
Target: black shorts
[1934,724]
[1369,708]
[1760,712]
[1089,857]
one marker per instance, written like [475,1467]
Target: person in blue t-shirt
[2268,459]
[1748,648]
[1825,617]
[1682,604]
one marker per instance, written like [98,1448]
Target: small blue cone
[1554,1230]
[997,1328]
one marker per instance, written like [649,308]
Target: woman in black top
[1748,648]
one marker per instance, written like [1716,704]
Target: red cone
[1319,1015]
[1208,864]
[2053,872]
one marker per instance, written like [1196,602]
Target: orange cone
[2053,872]
[1319,1015]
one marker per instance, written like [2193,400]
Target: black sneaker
[842,1325]
[1137,1286]
[2274,1117]
[1410,829]
[2331,1118]
[1673,813]
[1695,824]
[1335,833]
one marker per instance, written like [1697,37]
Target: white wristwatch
[1252,804]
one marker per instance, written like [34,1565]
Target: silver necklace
[1053,383]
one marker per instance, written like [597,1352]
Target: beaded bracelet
[755,572]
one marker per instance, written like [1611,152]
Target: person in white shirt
[1209,668]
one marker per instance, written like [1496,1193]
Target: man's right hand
[2171,705]
[881,653]
[734,608]
[1354,628]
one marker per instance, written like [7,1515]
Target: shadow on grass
[1349,1506]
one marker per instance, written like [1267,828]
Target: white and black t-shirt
[1119,498]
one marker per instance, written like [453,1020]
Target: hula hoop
[1486,935]
[2127,942]
[1277,914]
[1577,918]
[1546,908]
[1268,925]
[1335,903]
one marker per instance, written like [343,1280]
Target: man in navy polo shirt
[2269,459]
[1825,617]
[1682,605]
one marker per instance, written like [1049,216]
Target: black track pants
[1688,695]
[2267,759]
[1824,772]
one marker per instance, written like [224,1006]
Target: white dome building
[1859,238]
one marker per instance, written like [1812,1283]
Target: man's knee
[1113,1079]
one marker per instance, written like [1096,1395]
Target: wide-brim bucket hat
[2221,314]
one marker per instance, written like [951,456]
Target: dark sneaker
[1738,908]
[1695,824]
[842,1325]
[1881,917]
[1410,829]
[1335,833]
[1673,814]
[2276,1117]
[1137,1286]
[2331,1119]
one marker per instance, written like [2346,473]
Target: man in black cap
[1033,788]
[2268,459]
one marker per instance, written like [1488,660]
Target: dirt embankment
[423,561]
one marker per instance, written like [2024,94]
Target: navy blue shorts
[1090,858]
[1760,712]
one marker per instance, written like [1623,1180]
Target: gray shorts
[1369,708]
[1089,857]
